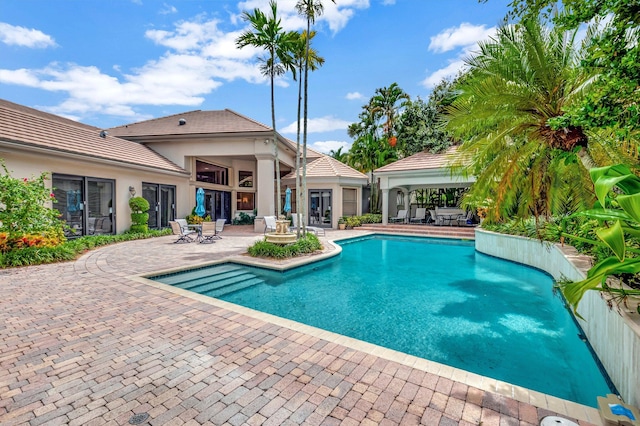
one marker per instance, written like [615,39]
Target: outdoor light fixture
[132,191]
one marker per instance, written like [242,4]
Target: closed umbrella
[287,200]
[200,210]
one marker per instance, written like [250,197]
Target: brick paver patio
[84,343]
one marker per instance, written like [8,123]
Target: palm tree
[314,62]
[310,9]
[387,102]
[509,112]
[343,157]
[267,33]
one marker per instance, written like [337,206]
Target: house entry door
[218,204]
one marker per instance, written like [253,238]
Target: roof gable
[326,166]
[421,161]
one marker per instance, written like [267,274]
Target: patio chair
[184,235]
[219,228]
[269,224]
[314,229]
[401,217]
[208,232]
[421,214]
[183,224]
[437,220]
[465,219]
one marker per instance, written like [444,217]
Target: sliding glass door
[162,204]
[85,204]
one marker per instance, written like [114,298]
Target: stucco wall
[23,165]
[614,337]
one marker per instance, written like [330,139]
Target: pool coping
[519,393]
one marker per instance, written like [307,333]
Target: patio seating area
[87,343]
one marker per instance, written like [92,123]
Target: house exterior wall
[24,164]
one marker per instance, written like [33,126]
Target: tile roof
[421,161]
[326,166]
[32,128]
[195,122]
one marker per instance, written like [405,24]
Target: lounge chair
[314,229]
[464,219]
[208,232]
[421,214]
[269,224]
[401,217]
[437,220]
[184,235]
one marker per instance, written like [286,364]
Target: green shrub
[353,221]
[139,216]
[308,243]
[244,219]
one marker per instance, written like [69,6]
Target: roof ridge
[156,119]
[23,109]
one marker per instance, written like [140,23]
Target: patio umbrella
[287,200]
[200,211]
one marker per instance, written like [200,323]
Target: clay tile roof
[326,166]
[31,128]
[194,122]
[421,161]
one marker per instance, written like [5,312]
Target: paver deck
[88,343]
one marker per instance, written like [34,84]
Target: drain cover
[556,421]
[138,419]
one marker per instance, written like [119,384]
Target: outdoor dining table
[198,228]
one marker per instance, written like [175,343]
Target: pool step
[214,282]
[461,232]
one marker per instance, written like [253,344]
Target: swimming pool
[436,299]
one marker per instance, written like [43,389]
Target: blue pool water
[436,299]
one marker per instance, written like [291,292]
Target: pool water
[435,299]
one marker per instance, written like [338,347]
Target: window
[210,173]
[245,179]
[245,201]
[349,202]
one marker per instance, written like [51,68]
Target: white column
[385,206]
[265,201]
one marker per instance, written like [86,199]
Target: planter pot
[342,226]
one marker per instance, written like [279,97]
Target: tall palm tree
[267,33]
[310,9]
[509,112]
[387,102]
[299,62]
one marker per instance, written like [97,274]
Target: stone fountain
[282,234]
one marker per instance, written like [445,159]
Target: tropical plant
[619,212]
[266,32]
[26,220]
[516,86]
[343,157]
[314,61]
[310,10]
[387,103]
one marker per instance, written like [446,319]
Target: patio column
[405,193]
[265,201]
[385,206]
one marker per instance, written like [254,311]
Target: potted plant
[342,223]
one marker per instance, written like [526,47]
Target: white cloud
[449,71]
[327,146]
[462,36]
[352,96]
[318,125]
[167,9]
[20,36]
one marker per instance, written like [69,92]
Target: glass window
[349,202]
[245,201]
[210,173]
[245,179]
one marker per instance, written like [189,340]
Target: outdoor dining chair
[184,235]
[208,232]
[219,228]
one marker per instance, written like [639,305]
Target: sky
[112,62]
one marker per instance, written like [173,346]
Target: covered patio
[422,180]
